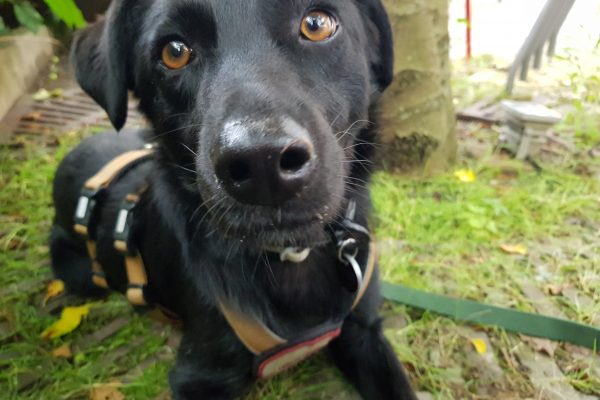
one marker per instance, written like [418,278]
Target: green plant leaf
[67,11]
[28,16]
[3,28]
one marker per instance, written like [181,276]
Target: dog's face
[258,102]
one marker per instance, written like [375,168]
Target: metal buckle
[88,200]
[347,252]
[347,248]
[122,229]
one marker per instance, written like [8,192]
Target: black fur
[199,244]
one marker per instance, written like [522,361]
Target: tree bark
[417,112]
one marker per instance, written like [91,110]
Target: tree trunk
[417,113]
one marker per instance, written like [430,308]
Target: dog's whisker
[364,164]
[347,130]
[358,161]
[258,259]
[356,186]
[353,189]
[336,118]
[359,144]
[204,203]
[206,214]
[190,150]
[223,214]
[355,179]
[181,167]
[271,274]
[172,116]
[181,128]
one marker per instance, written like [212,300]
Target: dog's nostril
[239,171]
[293,159]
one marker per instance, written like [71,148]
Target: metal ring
[357,271]
[342,247]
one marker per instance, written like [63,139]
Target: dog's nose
[265,171]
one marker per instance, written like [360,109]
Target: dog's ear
[101,56]
[380,41]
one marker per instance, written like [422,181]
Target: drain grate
[73,110]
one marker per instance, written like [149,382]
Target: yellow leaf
[465,175]
[514,249]
[55,288]
[479,345]
[70,319]
[63,351]
[106,392]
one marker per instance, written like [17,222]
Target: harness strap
[90,196]
[137,279]
[255,335]
[98,276]
[118,166]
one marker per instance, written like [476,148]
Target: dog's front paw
[368,361]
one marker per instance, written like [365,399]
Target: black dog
[261,112]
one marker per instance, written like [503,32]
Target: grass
[437,234]
[449,235]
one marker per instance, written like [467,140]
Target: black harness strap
[91,198]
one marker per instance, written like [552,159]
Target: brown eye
[176,55]
[318,26]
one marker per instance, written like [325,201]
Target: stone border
[22,57]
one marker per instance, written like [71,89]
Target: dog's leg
[71,264]
[365,356]
[210,365]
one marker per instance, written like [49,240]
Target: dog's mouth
[287,234]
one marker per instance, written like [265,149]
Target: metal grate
[73,110]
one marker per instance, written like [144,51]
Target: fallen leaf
[57,92]
[554,290]
[518,249]
[32,116]
[165,395]
[465,175]
[63,351]
[479,345]
[70,319]
[16,244]
[55,288]
[106,392]
[544,346]
[44,94]
[41,95]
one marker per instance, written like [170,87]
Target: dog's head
[260,103]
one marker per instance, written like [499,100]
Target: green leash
[511,320]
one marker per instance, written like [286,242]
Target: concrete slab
[22,57]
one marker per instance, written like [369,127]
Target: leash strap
[511,320]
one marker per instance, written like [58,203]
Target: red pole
[469,48]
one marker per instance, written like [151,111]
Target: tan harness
[273,353]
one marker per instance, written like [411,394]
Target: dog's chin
[258,234]
[263,238]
